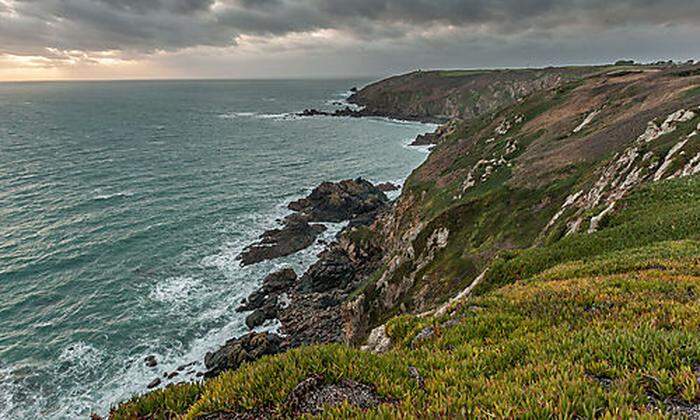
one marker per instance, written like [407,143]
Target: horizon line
[328,77]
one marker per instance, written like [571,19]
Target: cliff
[465,94]
[543,261]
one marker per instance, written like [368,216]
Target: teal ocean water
[123,206]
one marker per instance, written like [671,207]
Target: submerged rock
[151,361]
[154,383]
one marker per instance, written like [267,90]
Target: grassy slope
[600,324]
[510,209]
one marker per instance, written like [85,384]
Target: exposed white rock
[669,125]
[511,147]
[573,226]
[444,309]
[669,159]
[378,341]
[627,170]
[586,121]
[503,128]
[471,176]
[595,220]
[506,125]
[439,238]
[571,199]
[692,167]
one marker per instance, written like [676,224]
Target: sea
[123,207]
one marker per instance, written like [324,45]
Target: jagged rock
[387,186]
[265,300]
[344,200]
[279,281]
[256,300]
[255,319]
[312,112]
[378,341]
[426,139]
[333,270]
[295,235]
[308,320]
[241,350]
[343,112]
[259,316]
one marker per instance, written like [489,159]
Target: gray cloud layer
[140,27]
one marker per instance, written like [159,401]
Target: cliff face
[444,95]
[550,166]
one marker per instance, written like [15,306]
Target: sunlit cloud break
[236,38]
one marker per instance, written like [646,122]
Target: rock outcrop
[295,235]
[344,200]
[242,350]
[358,201]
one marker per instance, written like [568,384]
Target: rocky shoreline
[363,112]
[309,306]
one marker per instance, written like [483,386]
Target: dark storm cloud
[142,26]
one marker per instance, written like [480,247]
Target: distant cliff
[464,94]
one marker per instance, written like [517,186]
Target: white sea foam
[80,353]
[7,392]
[234,115]
[121,194]
[175,290]
[283,116]
[420,148]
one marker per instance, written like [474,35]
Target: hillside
[550,243]
[465,94]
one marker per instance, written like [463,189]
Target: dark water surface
[123,206]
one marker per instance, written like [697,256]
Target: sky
[155,39]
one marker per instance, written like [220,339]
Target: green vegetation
[658,212]
[600,325]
